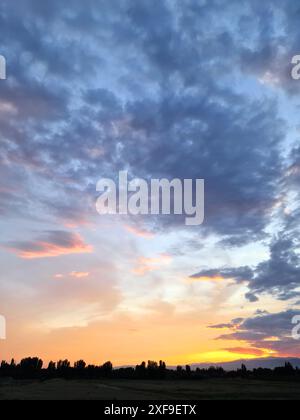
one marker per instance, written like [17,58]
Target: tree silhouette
[107,369]
[33,363]
[32,368]
[80,365]
[63,365]
[51,367]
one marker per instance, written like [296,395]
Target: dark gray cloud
[267,332]
[251,297]
[278,275]
[98,87]
[233,324]
[240,274]
[281,272]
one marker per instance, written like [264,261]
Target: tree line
[33,368]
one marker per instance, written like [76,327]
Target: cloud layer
[179,89]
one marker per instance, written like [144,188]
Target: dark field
[213,389]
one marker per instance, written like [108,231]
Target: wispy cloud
[148,264]
[74,274]
[50,244]
[246,351]
[139,232]
[237,274]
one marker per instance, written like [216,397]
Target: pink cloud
[79,275]
[246,351]
[51,244]
[139,232]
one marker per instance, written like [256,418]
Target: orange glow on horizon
[223,356]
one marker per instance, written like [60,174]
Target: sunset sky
[162,89]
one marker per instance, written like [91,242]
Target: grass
[212,389]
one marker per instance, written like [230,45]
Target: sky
[162,89]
